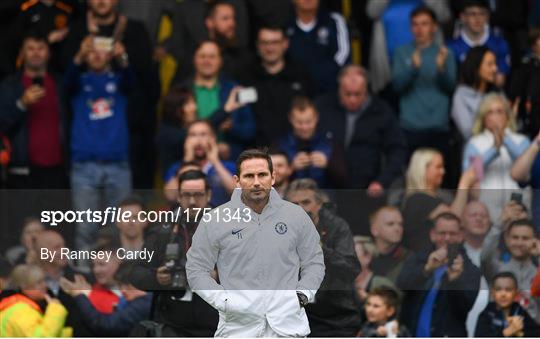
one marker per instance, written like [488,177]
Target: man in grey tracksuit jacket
[262,260]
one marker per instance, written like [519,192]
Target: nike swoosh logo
[237,231]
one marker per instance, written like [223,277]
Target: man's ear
[237,179]
[208,196]
[209,24]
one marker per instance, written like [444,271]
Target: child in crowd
[381,311]
[503,317]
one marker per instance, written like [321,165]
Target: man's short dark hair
[519,223]
[301,103]
[254,154]
[201,121]
[424,10]
[280,152]
[474,3]
[36,36]
[273,28]
[505,275]
[133,200]
[448,216]
[213,4]
[208,41]
[193,175]
[388,295]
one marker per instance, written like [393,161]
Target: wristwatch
[302,299]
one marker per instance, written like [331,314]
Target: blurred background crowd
[407,129]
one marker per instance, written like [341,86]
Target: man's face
[31,233]
[53,242]
[476,219]
[446,232]
[306,199]
[200,135]
[35,54]
[102,8]
[520,241]
[97,60]
[475,19]
[352,92]
[304,122]
[134,228]
[207,60]
[255,179]
[193,194]
[423,29]
[306,5]
[104,270]
[504,291]
[272,45]
[388,226]
[282,168]
[223,22]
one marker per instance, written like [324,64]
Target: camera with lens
[175,262]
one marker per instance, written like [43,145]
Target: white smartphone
[247,95]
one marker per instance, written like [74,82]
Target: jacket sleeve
[403,73]
[10,114]
[412,275]
[201,260]
[464,290]
[143,274]
[343,52]
[243,128]
[394,147]
[340,259]
[51,324]
[446,79]
[120,321]
[489,257]
[311,257]
[460,116]
[484,327]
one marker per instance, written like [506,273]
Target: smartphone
[104,44]
[37,81]
[453,252]
[517,197]
[247,95]
[478,166]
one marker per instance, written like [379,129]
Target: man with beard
[103,20]
[201,148]
[182,313]
[334,312]
[221,25]
[283,170]
[267,253]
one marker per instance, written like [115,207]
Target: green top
[207,100]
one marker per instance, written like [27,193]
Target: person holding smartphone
[32,116]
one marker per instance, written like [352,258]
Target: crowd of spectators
[408,130]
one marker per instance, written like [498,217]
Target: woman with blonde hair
[494,147]
[425,199]
[31,312]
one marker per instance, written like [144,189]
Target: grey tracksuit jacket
[262,261]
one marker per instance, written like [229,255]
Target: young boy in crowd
[98,82]
[503,317]
[381,310]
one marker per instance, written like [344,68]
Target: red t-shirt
[44,146]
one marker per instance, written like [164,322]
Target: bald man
[367,128]
[386,226]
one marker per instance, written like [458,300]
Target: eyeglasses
[194,195]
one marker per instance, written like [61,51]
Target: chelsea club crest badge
[281,228]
